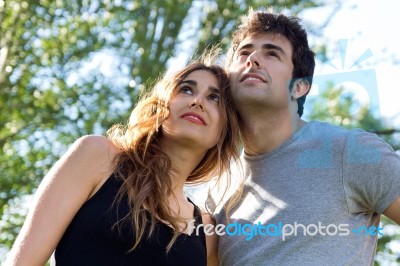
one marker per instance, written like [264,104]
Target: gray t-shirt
[315,200]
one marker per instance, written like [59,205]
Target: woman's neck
[184,159]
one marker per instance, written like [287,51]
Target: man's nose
[253,60]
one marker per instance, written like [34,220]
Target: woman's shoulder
[99,155]
[97,144]
[99,151]
[94,140]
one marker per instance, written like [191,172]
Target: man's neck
[265,131]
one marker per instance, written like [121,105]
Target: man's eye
[272,53]
[214,97]
[243,52]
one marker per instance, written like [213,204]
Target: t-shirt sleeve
[371,172]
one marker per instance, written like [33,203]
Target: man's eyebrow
[266,46]
[269,46]
[246,46]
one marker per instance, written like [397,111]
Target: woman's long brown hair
[145,168]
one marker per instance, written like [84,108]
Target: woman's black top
[92,238]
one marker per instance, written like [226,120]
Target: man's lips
[194,118]
[252,76]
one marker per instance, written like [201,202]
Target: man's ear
[300,88]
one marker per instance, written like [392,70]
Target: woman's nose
[197,103]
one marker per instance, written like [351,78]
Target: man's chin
[250,97]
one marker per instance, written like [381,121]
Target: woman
[119,200]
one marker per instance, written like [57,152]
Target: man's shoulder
[355,138]
[318,128]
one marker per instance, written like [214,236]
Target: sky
[371,30]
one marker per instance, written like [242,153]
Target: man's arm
[393,211]
[211,241]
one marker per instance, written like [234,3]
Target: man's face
[261,70]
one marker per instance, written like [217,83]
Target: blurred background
[71,68]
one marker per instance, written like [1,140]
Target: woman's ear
[300,88]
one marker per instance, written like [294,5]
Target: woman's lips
[194,118]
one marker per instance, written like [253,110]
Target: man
[314,193]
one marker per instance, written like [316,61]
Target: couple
[119,200]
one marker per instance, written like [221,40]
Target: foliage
[70,68]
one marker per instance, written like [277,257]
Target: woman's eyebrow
[213,89]
[191,82]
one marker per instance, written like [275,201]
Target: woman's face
[195,112]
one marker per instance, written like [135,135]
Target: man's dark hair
[266,22]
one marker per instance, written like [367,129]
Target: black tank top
[92,239]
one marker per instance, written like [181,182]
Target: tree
[50,92]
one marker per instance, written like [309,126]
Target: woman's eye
[186,90]
[214,97]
